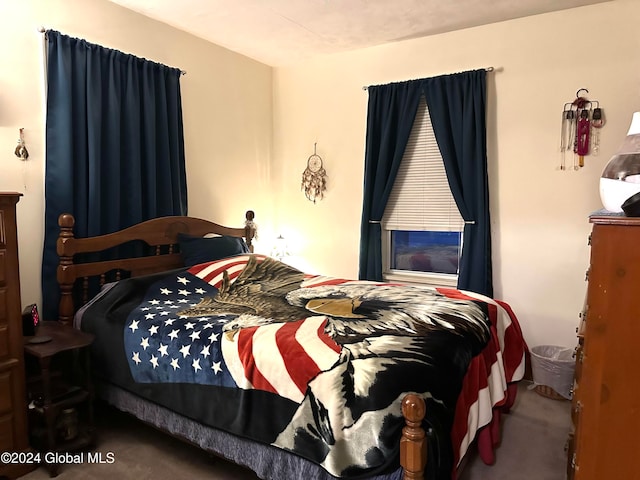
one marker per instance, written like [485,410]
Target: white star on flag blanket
[164,346]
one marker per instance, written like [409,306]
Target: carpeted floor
[533,438]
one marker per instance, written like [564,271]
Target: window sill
[432,280]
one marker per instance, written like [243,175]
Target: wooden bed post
[413,444]
[64,276]
[249,229]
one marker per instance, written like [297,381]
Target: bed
[289,374]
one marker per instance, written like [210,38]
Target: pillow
[195,250]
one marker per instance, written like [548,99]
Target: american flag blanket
[314,365]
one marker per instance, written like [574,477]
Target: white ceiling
[282,32]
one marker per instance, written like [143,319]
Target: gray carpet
[533,438]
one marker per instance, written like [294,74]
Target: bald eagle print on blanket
[330,358]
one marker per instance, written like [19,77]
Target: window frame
[422,135]
[411,277]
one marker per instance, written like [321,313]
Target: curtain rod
[44,30]
[486,69]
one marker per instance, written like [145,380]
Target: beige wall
[226,108]
[249,130]
[539,214]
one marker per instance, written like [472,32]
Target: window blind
[421,198]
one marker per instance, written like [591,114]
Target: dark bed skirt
[268,462]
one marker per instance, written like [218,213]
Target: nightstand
[60,390]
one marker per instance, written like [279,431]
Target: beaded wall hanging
[582,120]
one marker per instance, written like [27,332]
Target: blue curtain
[390,115]
[114,145]
[457,108]
[457,105]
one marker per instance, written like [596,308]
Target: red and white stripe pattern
[212,272]
[486,385]
[311,281]
[280,357]
[323,281]
[250,353]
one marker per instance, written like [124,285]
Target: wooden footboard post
[413,445]
[65,277]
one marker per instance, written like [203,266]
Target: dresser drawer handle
[583,314]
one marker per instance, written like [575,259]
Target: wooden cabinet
[13,406]
[606,400]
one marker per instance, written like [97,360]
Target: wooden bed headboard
[160,237]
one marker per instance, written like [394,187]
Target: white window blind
[421,198]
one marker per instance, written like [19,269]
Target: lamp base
[613,193]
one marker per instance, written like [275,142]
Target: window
[422,227]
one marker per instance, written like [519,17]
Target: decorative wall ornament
[314,178]
[582,120]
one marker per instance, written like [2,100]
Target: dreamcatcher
[314,178]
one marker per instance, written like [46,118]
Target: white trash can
[553,368]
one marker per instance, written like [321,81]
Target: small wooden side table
[60,390]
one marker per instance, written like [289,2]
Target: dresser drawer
[3,230]
[3,306]
[6,433]
[571,456]
[4,342]
[579,361]
[6,392]
[4,329]
[3,267]
[576,408]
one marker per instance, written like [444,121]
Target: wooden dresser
[13,404]
[606,400]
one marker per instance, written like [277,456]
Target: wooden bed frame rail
[160,234]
